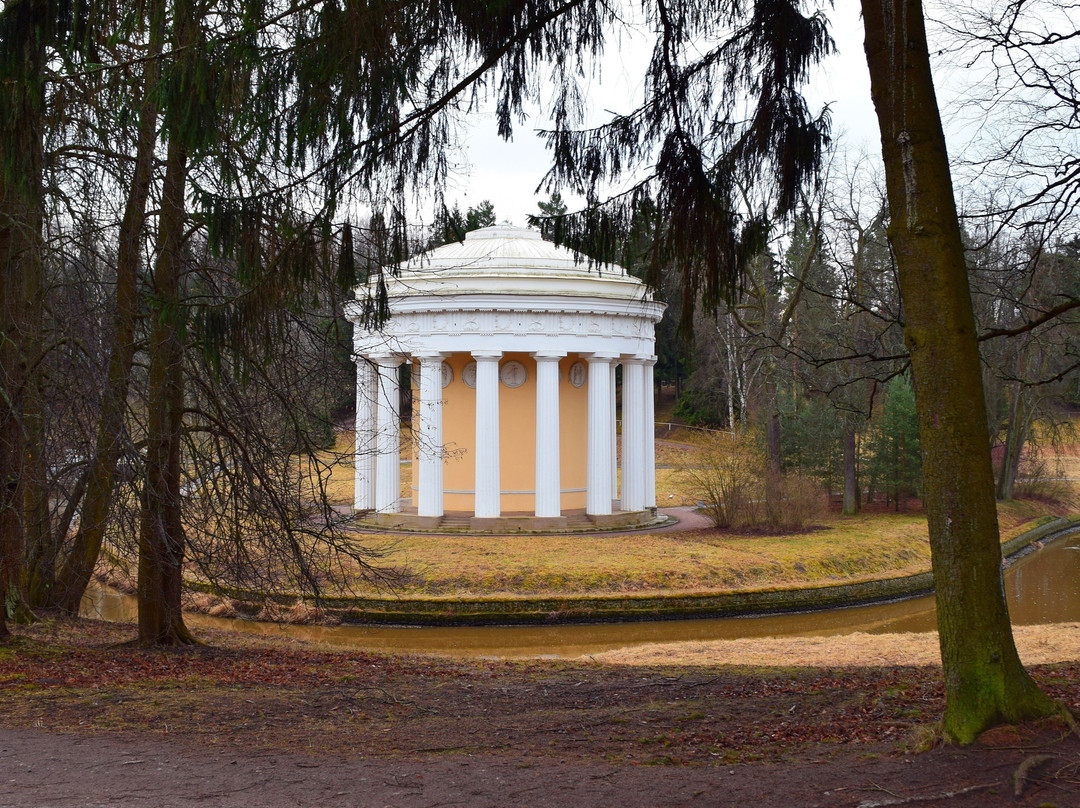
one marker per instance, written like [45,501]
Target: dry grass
[839,550]
[479,565]
[677,454]
[1037,645]
[339,470]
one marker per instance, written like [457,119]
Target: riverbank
[1037,645]
[514,580]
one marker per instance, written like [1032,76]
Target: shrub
[728,480]
[729,483]
[804,502]
[1038,480]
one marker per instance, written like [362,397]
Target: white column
[614,437]
[487,502]
[650,433]
[548,480]
[633,435]
[388,438]
[364,459]
[430,447]
[598,491]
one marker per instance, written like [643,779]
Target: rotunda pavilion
[514,344]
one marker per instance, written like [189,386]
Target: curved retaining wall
[560,609]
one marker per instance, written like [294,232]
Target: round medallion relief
[468,375]
[447,374]
[513,373]
[578,374]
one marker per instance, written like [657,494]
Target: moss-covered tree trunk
[83,555]
[985,682]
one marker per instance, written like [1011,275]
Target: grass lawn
[839,549]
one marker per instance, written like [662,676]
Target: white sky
[508,173]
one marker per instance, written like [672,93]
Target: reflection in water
[1042,588]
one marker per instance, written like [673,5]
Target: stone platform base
[462,522]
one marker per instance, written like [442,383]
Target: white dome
[505,248]
[510,260]
[504,288]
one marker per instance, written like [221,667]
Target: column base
[515,524]
[620,519]
[409,521]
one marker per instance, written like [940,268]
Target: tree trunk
[732,385]
[161,530]
[773,476]
[21,165]
[42,541]
[1015,434]
[985,682]
[851,480]
[83,555]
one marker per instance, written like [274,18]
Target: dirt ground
[39,768]
[88,721]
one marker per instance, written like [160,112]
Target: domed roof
[511,260]
[505,289]
[505,248]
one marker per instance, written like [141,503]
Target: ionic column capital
[386,360]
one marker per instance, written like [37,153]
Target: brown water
[1044,587]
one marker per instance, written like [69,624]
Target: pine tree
[480,215]
[894,460]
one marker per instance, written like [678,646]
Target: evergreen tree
[894,459]
[811,434]
[481,215]
[549,220]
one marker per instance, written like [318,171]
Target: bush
[1037,480]
[729,482]
[804,502]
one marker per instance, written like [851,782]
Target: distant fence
[669,427]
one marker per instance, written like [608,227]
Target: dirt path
[88,721]
[38,768]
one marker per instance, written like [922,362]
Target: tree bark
[1015,433]
[161,530]
[985,682]
[773,475]
[83,555]
[21,165]
[851,480]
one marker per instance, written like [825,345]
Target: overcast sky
[508,173]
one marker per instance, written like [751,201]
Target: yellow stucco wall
[517,436]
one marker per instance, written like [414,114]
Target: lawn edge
[408,610]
